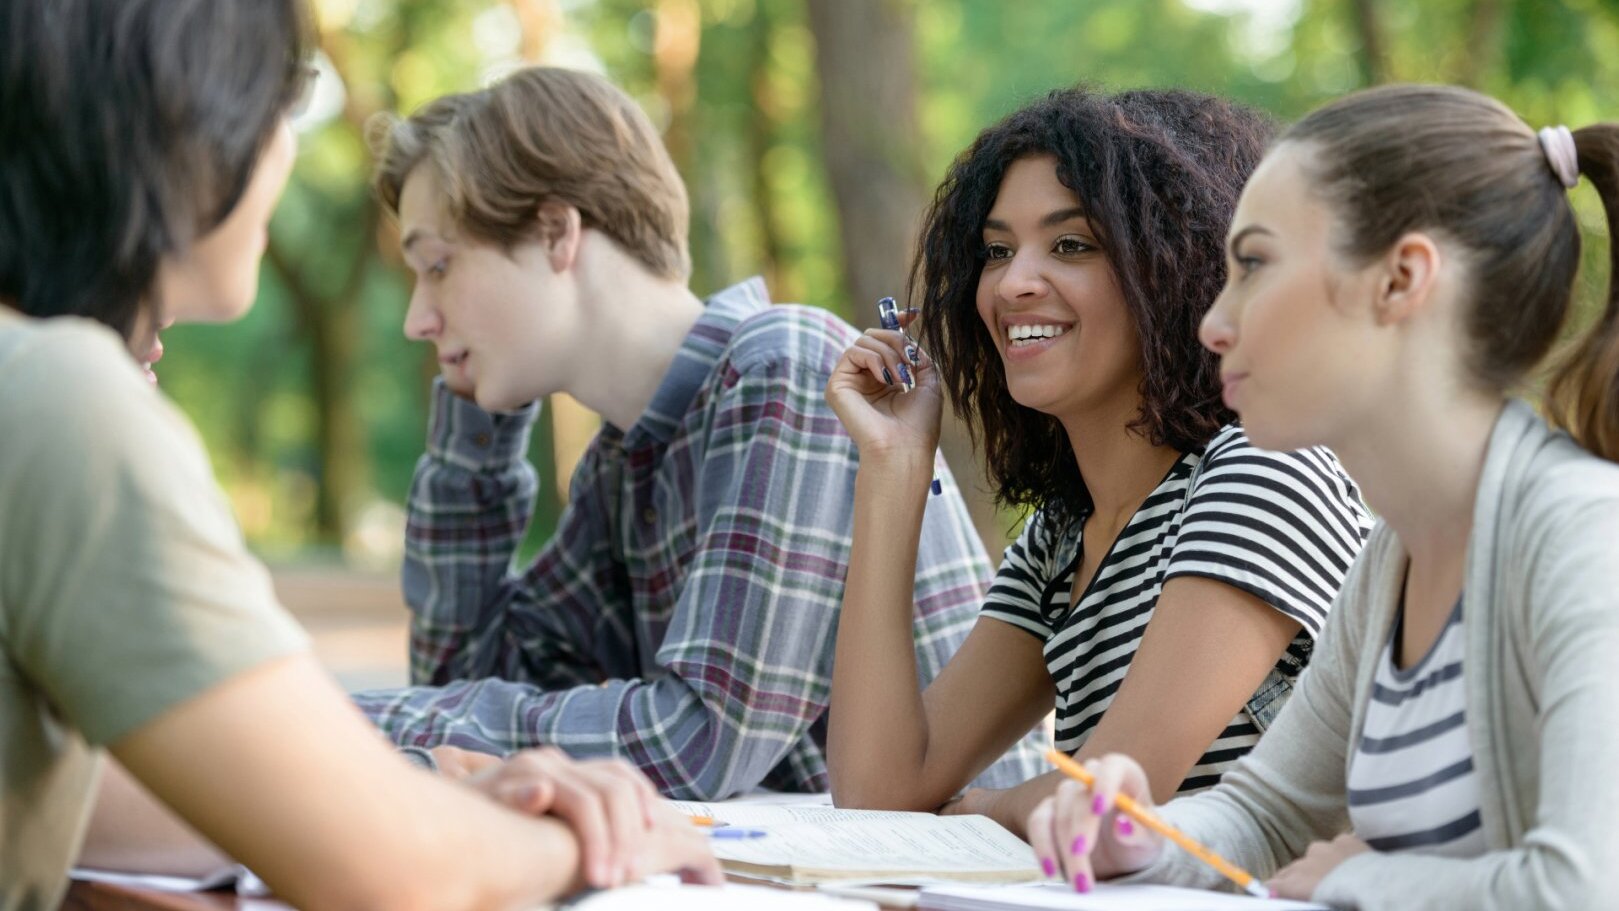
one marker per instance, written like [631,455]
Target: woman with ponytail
[1401,262]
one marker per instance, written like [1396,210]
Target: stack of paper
[813,844]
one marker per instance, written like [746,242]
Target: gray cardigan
[1542,682]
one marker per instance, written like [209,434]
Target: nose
[422,320]
[1218,330]
[1021,279]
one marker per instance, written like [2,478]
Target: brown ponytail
[1584,394]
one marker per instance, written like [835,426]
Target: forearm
[667,728]
[468,510]
[131,831]
[1010,806]
[877,741]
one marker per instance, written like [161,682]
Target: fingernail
[910,352]
[913,309]
[905,377]
[1082,883]
[1126,827]
[1078,846]
[1098,806]
[937,487]
[888,377]
[1048,866]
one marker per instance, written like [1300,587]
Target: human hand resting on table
[1077,833]
[625,830]
[1299,879]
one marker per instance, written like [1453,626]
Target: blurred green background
[810,133]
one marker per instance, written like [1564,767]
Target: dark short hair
[1158,173]
[129,128]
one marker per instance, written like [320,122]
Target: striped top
[1281,526]
[1411,781]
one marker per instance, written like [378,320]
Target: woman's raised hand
[886,392]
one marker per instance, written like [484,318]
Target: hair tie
[1558,145]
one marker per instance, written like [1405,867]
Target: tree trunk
[865,60]
[1374,63]
[1483,45]
[761,138]
[864,55]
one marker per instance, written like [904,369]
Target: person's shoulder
[1231,452]
[64,365]
[790,336]
[1567,490]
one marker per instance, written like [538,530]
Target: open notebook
[809,844]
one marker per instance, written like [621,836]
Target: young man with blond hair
[683,616]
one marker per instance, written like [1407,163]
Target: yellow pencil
[1147,818]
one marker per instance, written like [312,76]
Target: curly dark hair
[1158,173]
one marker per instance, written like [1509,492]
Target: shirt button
[481,439]
[649,515]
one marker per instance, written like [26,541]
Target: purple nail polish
[1048,866]
[937,487]
[1098,806]
[910,352]
[1082,883]
[1078,848]
[1126,827]
[905,375]
[888,377]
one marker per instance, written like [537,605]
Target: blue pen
[726,832]
[888,315]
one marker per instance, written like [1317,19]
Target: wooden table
[83,896]
[108,897]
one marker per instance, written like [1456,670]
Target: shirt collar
[698,355]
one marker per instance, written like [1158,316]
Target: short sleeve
[125,586]
[1282,526]
[1018,593]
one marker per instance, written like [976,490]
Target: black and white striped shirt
[1411,784]
[1281,526]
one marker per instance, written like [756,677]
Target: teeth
[1025,332]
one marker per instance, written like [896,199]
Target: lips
[1229,384]
[1028,335]
[153,356]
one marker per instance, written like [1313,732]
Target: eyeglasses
[301,89]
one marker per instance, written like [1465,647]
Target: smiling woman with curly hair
[1169,582]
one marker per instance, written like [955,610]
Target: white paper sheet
[817,837]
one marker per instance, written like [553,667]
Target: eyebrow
[1055,218]
[1238,237]
[411,237]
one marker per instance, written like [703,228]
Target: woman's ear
[1410,278]
[560,229]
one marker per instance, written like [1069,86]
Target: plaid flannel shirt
[683,616]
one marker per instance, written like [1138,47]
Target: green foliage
[760,195]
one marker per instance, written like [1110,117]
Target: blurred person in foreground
[142,148]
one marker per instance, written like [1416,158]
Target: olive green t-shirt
[125,588]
